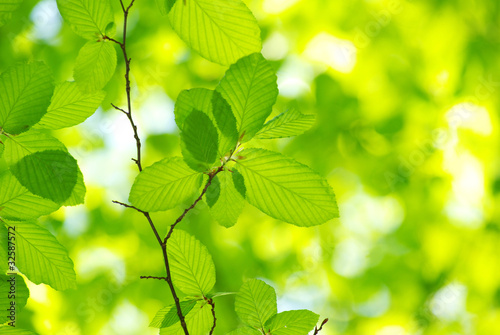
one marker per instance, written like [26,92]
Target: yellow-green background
[406,98]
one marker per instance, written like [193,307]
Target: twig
[317,330]
[153,277]
[212,303]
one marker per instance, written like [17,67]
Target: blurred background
[406,98]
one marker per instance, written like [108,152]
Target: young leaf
[298,322]
[77,197]
[164,185]
[41,257]
[226,124]
[6,9]
[20,296]
[9,330]
[199,141]
[87,18]
[250,87]
[51,174]
[225,201]
[199,321]
[287,124]
[95,65]
[193,270]
[220,30]
[255,303]
[165,6]
[17,203]
[167,316]
[25,92]
[285,189]
[196,98]
[69,106]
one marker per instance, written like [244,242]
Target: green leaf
[226,124]
[285,189]
[192,267]
[255,303]
[51,174]
[17,203]
[9,330]
[12,290]
[164,185]
[289,123]
[87,18]
[165,6]
[220,30]
[244,331]
[95,65]
[292,322]
[25,92]
[18,147]
[196,98]
[41,257]
[199,141]
[250,87]
[199,321]
[6,9]
[69,106]
[225,201]
[167,316]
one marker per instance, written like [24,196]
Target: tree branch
[153,277]
[212,303]
[317,330]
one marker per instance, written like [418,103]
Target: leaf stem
[317,330]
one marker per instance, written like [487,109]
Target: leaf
[199,321]
[192,267]
[164,185]
[41,257]
[167,316]
[25,92]
[12,290]
[199,140]
[225,201]
[220,30]
[17,203]
[165,6]
[6,9]
[255,303]
[9,330]
[226,124]
[196,98]
[33,141]
[244,331]
[298,322]
[87,18]
[69,106]
[95,65]
[287,124]
[250,87]
[51,174]
[285,189]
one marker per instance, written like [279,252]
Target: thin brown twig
[317,330]
[212,304]
[153,277]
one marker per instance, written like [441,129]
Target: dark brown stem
[212,303]
[153,277]
[317,330]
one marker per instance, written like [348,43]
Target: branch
[212,303]
[317,330]
[153,277]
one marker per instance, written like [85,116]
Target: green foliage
[192,267]
[88,18]
[251,90]
[69,106]
[292,323]
[255,303]
[41,257]
[194,99]
[199,321]
[226,123]
[220,38]
[165,6]
[164,185]
[168,316]
[25,92]
[14,331]
[95,65]
[12,289]
[199,141]
[285,189]
[287,124]
[6,9]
